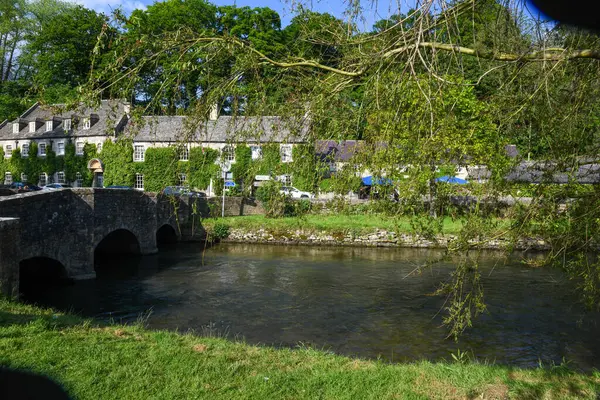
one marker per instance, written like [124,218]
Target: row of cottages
[52,130]
[341,154]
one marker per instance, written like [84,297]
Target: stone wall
[378,238]
[67,225]
[235,206]
[10,245]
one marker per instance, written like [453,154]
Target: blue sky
[379,10]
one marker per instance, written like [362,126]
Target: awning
[369,181]
[451,179]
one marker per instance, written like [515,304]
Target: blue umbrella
[229,183]
[368,181]
[451,179]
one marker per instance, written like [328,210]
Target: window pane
[139,181]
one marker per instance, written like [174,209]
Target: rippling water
[364,302]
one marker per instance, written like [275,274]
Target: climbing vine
[201,167]
[118,162]
[160,168]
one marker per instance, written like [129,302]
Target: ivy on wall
[117,158]
[3,165]
[201,167]
[243,170]
[159,168]
[162,165]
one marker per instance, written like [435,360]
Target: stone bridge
[64,231]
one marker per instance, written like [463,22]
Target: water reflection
[366,302]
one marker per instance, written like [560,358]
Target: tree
[450,82]
[62,48]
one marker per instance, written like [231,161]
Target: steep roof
[224,129]
[110,115]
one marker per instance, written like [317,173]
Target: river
[364,302]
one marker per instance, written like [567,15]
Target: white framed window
[23,177]
[138,153]
[286,152]
[286,180]
[49,125]
[139,182]
[60,148]
[99,148]
[87,123]
[182,179]
[8,150]
[7,178]
[79,148]
[184,153]
[78,180]
[67,124]
[42,149]
[228,153]
[60,177]
[256,152]
[25,150]
[32,126]
[16,127]
[43,179]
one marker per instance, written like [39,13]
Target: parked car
[56,186]
[182,191]
[296,193]
[24,187]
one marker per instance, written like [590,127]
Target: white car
[295,193]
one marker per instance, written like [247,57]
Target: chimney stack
[214,112]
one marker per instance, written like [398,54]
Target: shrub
[220,231]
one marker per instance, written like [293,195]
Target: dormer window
[32,126]
[49,126]
[87,123]
[16,128]
[67,125]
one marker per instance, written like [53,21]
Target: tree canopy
[444,85]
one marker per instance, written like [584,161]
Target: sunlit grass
[130,362]
[331,223]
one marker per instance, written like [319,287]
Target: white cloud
[106,6]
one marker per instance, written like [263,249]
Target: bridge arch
[117,243]
[166,234]
[40,271]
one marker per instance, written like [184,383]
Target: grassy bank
[120,362]
[329,223]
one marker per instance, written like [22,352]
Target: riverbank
[344,230]
[116,362]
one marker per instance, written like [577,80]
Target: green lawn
[328,223]
[130,362]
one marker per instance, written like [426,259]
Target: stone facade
[68,225]
[10,243]
[377,238]
[235,206]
